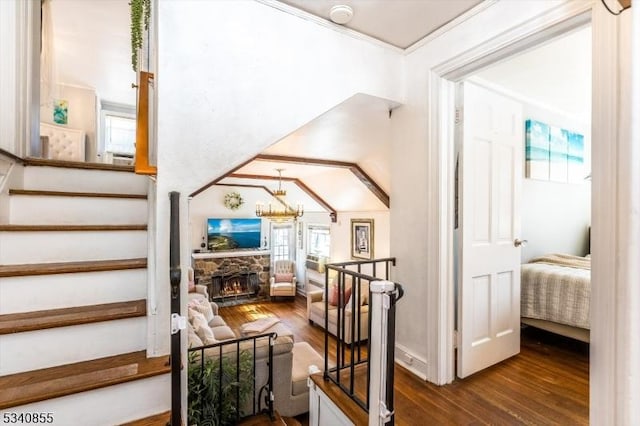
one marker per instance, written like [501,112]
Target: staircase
[73,290]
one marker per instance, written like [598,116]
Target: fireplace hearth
[233,277]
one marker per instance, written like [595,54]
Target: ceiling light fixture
[341,14]
[286,213]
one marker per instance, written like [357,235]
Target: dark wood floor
[546,384]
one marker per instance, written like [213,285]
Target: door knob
[518,242]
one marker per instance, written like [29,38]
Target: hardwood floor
[546,384]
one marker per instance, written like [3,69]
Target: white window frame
[290,245]
[115,110]
[321,229]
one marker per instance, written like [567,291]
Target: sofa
[291,360]
[316,311]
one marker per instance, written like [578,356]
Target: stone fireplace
[233,275]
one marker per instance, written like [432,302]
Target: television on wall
[233,234]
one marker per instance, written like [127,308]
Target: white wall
[230,89]
[556,216]
[341,235]
[82,114]
[210,204]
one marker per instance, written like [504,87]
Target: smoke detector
[341,14]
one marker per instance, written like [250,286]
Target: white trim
[8,52]
[442,93]
[328,24]
[360,36]
[417,364]
[453,23]
[615,398]
[559,20]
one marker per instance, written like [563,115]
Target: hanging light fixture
[279,214]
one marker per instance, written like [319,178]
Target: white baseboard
[412,362]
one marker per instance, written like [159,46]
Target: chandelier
[286,212]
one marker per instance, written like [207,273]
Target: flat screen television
[233,234]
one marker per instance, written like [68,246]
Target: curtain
[48,72]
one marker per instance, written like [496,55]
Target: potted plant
[140,11]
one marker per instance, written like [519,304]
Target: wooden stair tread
[38,385]
[30,269]
[38,320]
[160,419]
[33,192]
[30,161]
[62,228]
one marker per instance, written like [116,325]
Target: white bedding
[557,288]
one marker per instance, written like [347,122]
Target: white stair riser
[79,180]
[106,406]
[41,292]
[34,350]
[47,210]
[69,246]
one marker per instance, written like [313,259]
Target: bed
[62,143]
[555,294]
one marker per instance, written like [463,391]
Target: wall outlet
[408,358]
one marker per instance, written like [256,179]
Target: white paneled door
[491,174]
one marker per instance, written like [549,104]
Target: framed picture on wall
[362,239]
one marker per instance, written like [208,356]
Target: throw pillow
[202,329]
[192,287]
[347,296]
[334,296]
[204,308]
[192,338]
[283,278]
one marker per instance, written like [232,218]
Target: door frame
[610,170]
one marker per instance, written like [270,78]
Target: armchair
[196,291]
[283,281]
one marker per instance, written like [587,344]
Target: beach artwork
[553,153]
[537,150]
[558,155]
[575,157]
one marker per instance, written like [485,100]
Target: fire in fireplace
[237,283]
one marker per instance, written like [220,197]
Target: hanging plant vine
[140,11]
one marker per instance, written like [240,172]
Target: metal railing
[351,353]
[223,380]
[175,276]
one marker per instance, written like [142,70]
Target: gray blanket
[552,291]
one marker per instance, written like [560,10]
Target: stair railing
[351,353]
[142,163]
[175,275]
[222,380]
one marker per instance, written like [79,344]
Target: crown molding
[451,24]
[328,24]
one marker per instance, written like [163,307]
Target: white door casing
[491,174]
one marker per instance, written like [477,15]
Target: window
[119,134]
[282,242]
[117,128]
[319,241]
